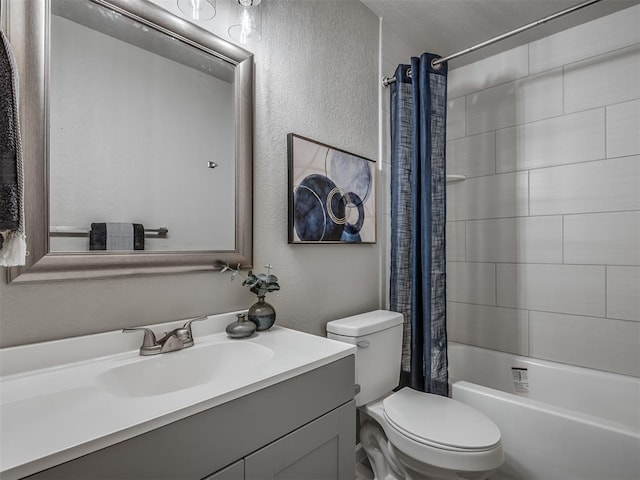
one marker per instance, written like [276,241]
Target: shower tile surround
[543,238]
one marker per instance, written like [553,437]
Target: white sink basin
[187,368]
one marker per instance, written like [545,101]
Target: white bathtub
[557,421]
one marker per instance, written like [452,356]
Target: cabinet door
[232,472]
[321,450]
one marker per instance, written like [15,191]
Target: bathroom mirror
[131,115]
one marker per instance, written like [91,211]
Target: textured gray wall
[316,75]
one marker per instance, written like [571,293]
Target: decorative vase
[242,328]
[262,314]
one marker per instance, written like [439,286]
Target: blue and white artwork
[331,194]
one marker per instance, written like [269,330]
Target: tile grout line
[606,311]
[466,254]
[556,264]
[466,121]
[562,86]
[495,152]
[546,119]
[528,194]
[574,214]
[495,279]
[534,310]
[606,129]
[562,226]
[528,332]
[544,167]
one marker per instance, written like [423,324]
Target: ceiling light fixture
[245,21]
[199,9]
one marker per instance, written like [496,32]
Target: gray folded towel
[116,236]
[13,248]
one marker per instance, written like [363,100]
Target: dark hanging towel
[13,247]
[116,236]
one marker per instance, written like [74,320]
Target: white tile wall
[603,80]
[575,289]
[590,39]
[456,242]
[523,240]
[623,297]
[543,237]
[471,282]
[586,341]
[600,186]
[559,217]
[504,329]
[501,68]
[623,125]
[557,141]
[603,238]
[456,122]
[494,196]
[513,103]
[472,156]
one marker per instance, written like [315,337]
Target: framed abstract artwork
[332,196]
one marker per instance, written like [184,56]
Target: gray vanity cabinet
[302,428]
[309,453]
[232,472]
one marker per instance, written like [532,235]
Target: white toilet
[409,434]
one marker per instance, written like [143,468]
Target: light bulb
[246,21]
[198,9]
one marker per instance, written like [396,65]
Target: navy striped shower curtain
[418,215]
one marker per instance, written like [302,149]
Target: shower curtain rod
[386,81]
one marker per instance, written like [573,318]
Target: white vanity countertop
[56,406]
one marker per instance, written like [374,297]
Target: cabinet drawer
[232,472]
[321,450]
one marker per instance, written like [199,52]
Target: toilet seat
[440,422]
[412,447]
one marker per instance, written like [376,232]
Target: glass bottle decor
[262,314]
[241,328]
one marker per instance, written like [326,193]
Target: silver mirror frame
[27,25]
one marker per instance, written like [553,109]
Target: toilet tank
[378,336]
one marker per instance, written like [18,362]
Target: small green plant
[260,284]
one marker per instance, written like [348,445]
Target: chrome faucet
[176,339]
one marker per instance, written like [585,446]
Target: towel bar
[66,231]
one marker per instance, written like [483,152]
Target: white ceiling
[448,26]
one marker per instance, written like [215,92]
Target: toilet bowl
[436,436]
[408,434]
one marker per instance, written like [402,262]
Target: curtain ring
[436,66]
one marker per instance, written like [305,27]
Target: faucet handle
[187,324]
[185,334]
[149,337]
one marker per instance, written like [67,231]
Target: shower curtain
[418,203]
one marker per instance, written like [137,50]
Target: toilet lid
[440,421]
